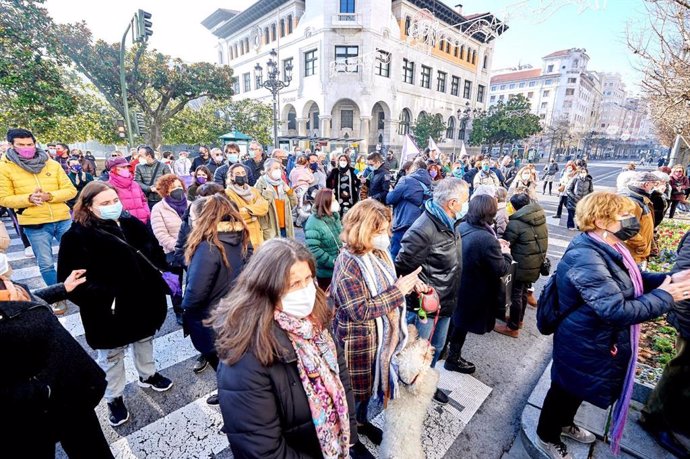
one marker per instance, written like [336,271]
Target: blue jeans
[395,241]
[41,239]
[571,218]
[425,329]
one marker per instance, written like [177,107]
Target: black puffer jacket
[429,243]
[265,409]
[577,189]
[36,352]
[123,299]
[380,184]
[529,239]
[208,281]
[679,317]
[483,265]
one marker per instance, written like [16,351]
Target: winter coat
[660,204]
[177,260]
[199,161]
[113,312]
[165,223]
[591,347]
[380,184]
[46,373]
[577,189]
[269,222]
[529,240]
[550,170]
[678,187]
[483,265]
[469,176]
[355,320]
[147,175]
[79,181]
[429,243]
[501,220]
[209,280]
[407,198]
[301,176]
[17,184]
[88,164]
[322,235]
[265,409]
[509,174]
[640,245]
[348,195]
[182,167]
[132,197]
[255,170]
[251,212]
[485,178]
[214,166]
[679,317]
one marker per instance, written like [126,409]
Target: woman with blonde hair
[217,249]
[369,304]
[525,182]
[283,383]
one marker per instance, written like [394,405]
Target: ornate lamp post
[274,84]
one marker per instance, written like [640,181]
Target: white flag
[409,149]
[433,146]
[463,152]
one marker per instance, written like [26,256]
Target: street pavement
[481,420]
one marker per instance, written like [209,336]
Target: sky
[537,27]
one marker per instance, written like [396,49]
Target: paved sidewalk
[636,443]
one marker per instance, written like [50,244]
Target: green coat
[529,239]
[323,239]
[269,222]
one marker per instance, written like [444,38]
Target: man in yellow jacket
[37,187]
[249,200]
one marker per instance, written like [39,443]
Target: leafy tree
[157,85]
[33,86]
[250,117]
[428,126]
[505,123]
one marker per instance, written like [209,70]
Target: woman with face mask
[249,201]
[78,177]
[580,186]
[111,244]
[201,175]
[525,182]
[679,185]
[281,201]
[283,383]
[568,174]
[217,250]
[322,235]
[603,297]
[130,193]
[345,184]
[369,303]
[485,176]
[435,173]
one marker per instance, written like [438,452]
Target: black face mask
[240,180]
[177,194]
[630,226]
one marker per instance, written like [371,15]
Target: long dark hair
[482,210]
[82,209]
[243,320]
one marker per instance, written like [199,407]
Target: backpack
[549,315]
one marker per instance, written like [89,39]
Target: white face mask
[343,164]
[381,242]
[275,174]
[299,303]
[335,206]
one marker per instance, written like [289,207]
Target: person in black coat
[485,259]
[212,268]
[116,249]
[345,184]
[601,294]
[579,187]
[268,330]
[49,386]
[380,181]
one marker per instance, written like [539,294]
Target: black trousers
[561,202]
[78,430]
[673,207]
[518,304]
[558,411]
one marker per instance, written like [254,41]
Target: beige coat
[269,223]
[251,212]
[166,225]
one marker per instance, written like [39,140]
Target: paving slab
[536,398]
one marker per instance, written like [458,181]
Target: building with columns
[362,69]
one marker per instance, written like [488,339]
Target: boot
[531,300]
[455,362]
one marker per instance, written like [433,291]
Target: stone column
[302,131]
[364,133]
[325,125]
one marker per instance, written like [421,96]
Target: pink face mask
[26,152]
[122,172]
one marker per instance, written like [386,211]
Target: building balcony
[347,21]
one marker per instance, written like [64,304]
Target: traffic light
[144,25]
[140,124]
[121,129]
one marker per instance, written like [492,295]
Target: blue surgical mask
[485,168]
[463,211]
[457,172]
[111,211]
[233,157]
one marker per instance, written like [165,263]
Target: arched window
[450,132]
[405,119]
[292,121]
[407,25]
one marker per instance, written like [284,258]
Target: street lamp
[274,84]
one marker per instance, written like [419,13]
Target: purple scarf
[620,410]
[178,206]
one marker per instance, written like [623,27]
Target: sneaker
[556,216]
[506,330]
[213,399]
[118,412]
[29,252]
[579,434]
[200,365]
[572,229]
[157,382]
[554,450]
[440,397]
[59,308]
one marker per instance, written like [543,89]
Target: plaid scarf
[317,363]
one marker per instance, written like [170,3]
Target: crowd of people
[304,336]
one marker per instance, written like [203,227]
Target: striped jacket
[354,324]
